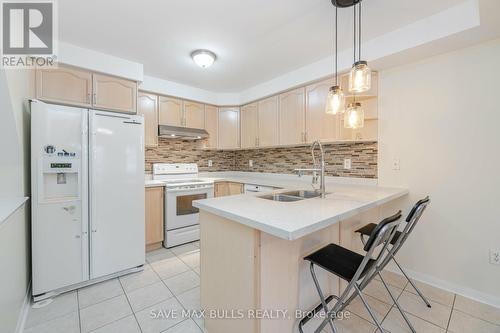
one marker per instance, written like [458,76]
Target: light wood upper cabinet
[320,125]
[194,115]
[154,217]
[147,105]
[115,94]
[268,122]
[222,189]
[211,119]
[229,128]
[64,85]
[292,117]
[170,111]
[249,125]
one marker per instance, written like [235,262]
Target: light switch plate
[347,163]
[495,257]
[210,163]
[396,164]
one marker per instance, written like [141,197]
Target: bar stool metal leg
[412,283]
[367,306]
[405,275]
[323,301]
[396,302]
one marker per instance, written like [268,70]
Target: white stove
[182,187]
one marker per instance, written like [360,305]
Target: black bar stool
[351,267]
[401,237]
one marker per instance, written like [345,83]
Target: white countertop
[292,220]
[266,179]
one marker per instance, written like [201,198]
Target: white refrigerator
[87,184]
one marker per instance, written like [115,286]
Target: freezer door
[116,192]
[59,196]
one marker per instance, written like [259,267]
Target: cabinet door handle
[94,98]
[88,98]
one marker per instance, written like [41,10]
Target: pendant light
[360,77]
[335,102]
[354,117]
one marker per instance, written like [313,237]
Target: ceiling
[255,40]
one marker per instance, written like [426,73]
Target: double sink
[291,196]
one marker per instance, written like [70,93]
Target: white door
[116,192]
[59,196]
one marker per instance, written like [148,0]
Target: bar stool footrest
[313,312]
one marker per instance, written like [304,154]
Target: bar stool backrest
[381,235]
[383,231]
[412,220]
[416,212]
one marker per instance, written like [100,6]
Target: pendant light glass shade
[354,116]
[335,102]
[360,77]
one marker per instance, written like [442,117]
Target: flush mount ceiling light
[335,102]
[203,58]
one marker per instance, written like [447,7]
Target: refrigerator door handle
[133,122]
[91,173]
[112,115]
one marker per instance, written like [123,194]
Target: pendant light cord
[354,94]
[336,47]
[359,30]
[354,33]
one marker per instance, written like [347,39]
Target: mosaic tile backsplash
[363,157]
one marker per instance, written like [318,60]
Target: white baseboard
[23,313]
[476,295]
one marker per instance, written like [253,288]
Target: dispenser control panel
[60,165]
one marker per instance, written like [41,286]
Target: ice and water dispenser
[60,175]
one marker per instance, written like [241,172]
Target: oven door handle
[199,189]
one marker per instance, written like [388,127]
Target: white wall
[15,87]
[441,118]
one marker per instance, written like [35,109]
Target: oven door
[179,206]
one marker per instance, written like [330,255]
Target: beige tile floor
[170,281]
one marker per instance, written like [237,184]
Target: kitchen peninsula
[252,249]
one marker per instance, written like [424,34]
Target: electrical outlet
[347,163]
[210,163]
[396,165]
[495,257]
[250,163]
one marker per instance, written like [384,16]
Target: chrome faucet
[315,169]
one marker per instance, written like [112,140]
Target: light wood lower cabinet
[147,105]
[154,217]
[112,93]
[223,189]
[64,85]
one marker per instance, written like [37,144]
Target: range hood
[177,132]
